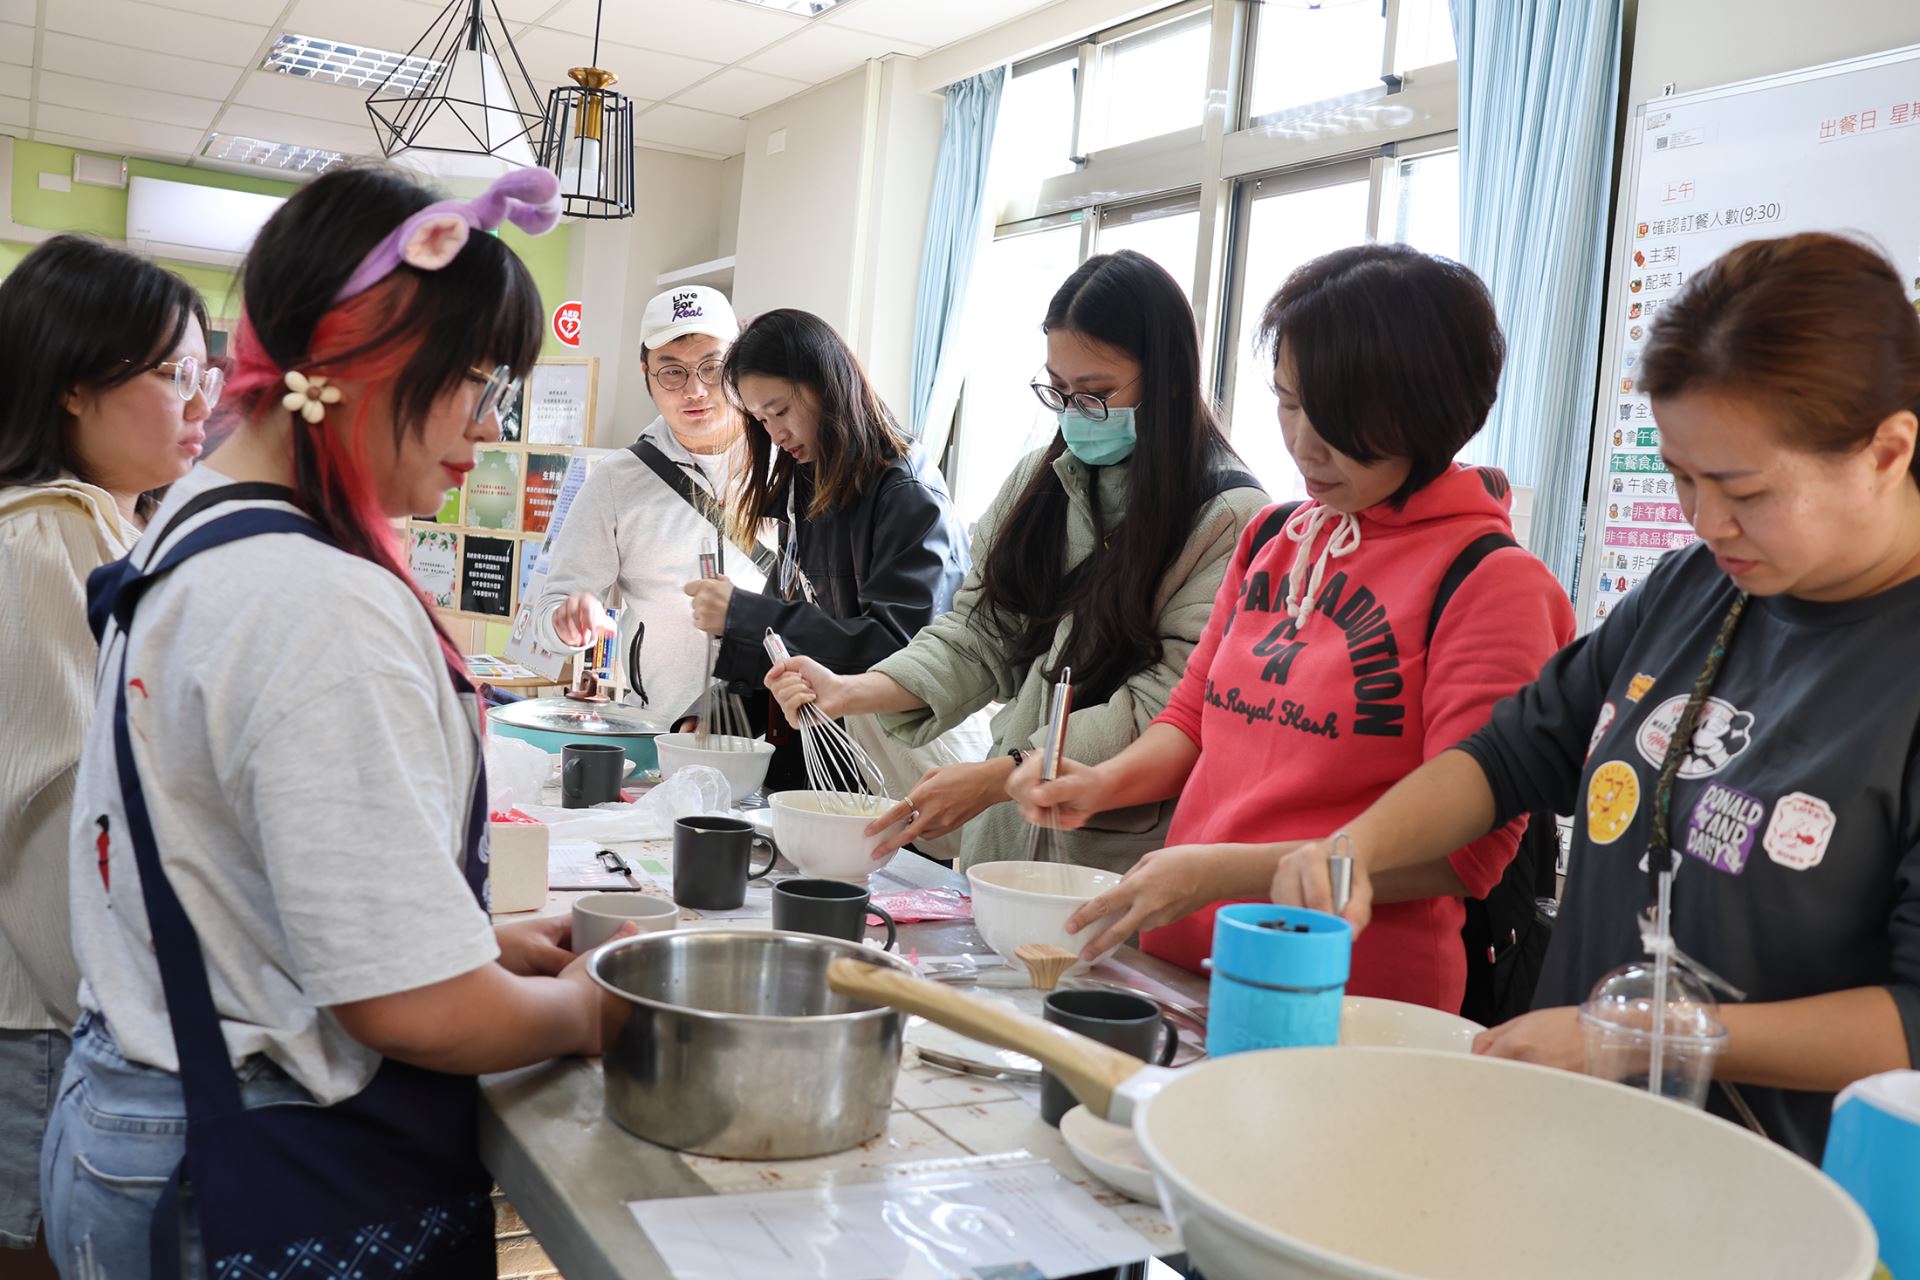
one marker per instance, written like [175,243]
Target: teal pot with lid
[554,723]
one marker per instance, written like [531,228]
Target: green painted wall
[102,211]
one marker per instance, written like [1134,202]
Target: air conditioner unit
[192,223]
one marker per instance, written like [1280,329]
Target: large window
[1168,231]
[1000,418]
[1310,52]
[1152,83]
[1300,149]
[1288,223]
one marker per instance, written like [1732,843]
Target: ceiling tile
[111,146]
[521,11]
[644,73]
[685,127]
[13,112]
[16,44]
[140,135]
[124,100]
[715,30]
[302,96]
[153,30]
[928,23]
[821,53]
[15,82]
[250,11]
[20,12]
[736,92]
[393,25]
[303,131]
[118,65]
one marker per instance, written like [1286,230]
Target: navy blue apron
[386,1183]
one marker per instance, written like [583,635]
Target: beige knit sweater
[51,537]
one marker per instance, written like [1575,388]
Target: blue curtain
[956,215]
[1539,81]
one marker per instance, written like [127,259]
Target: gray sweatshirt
[1796,816]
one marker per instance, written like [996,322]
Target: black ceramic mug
[830,908]
[1129,1023]
[712,859]
[590,774]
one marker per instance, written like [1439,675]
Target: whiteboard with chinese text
[1833,148]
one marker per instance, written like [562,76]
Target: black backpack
[1505,933]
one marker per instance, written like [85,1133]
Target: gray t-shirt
[308,767]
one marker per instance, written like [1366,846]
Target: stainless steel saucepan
[729,1043]
[1406,1164]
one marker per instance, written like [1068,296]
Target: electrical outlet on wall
[55,182]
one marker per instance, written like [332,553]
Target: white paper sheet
[1024,1221]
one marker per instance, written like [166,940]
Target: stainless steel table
[570,1171]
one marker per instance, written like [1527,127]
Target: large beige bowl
[820,832]
[744,767]
[1015,903]
[1368,1021]
[1400,1164]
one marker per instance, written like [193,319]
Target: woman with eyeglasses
[279,829]
[644,515]
[870,551]
[103,358]
[1101,554]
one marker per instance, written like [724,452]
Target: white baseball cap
[693,309]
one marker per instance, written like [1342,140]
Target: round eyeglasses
[190,377]
[1093,405]
[674,376]
[499,388]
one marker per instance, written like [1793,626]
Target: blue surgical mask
[1099,444]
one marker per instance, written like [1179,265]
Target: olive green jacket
[957,665]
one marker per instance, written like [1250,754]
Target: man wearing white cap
[644,515]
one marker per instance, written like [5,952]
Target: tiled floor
[520,1256]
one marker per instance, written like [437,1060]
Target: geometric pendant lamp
[589,141]
[474,120]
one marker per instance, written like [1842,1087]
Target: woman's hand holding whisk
[1077,792]
[710,596]
[800,682]
[943,800]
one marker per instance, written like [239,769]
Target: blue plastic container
[1279,974]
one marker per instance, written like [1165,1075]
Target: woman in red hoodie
[1325,674]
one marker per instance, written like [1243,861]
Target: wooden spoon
[1045,963]
[1110,1082]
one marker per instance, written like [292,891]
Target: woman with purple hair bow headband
[433,237]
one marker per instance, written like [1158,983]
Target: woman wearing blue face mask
[1101,553]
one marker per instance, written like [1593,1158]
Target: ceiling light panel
[270,155]
[336,62]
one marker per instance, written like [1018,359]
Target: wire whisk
[837,767]
[722,723]
[1043,842]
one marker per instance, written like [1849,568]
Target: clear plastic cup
[1618,1022]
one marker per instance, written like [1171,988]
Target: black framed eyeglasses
[1092,404]
[499,388]
[674,376]
[191,378]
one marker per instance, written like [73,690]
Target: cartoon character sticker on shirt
[1722,828]
[1613,798]
[1600,727]
[1639,687]
[1801,829]
[1724,731]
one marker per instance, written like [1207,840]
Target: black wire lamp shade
[589,145]
[474,118]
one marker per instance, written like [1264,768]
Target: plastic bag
[516,772]
[693,789]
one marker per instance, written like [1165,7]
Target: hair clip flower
[308,397]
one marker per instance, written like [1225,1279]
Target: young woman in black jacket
[870,549]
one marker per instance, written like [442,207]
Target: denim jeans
[116,1134]
[30,1066]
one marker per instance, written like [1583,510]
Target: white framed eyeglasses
[498,388]
[190,377]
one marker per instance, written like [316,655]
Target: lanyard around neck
[1660,839]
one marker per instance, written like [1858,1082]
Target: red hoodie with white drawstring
[1313,690]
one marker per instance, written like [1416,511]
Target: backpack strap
[676,479]
[1463,564]
[1270,527]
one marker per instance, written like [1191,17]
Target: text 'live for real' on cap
[692,309]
